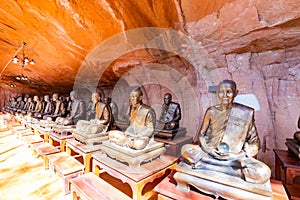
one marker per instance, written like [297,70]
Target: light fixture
[13,85]
[24,60]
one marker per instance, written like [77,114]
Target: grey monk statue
[170,114]
[228,142]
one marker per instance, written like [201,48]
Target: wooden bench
[65,166]
[89,186]
[44,149]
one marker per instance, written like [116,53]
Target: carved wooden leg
[46,162]
[87,161]
[75,197]
[62,145]
[137,191]
[50,141]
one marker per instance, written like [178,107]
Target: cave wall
[254,42]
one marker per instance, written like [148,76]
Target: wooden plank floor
[22,176]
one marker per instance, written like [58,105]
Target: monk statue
[297,134]
[59,111]
[49,108]
[142,123]
[170,114]
[114,107]
[39,106]
[77,111]
[227,143]
[29,107]
[102,120]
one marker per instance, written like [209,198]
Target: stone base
[220,184]
[293,147]
[64,130]
[134,158]
[91,139]
[170,134]
[46,124]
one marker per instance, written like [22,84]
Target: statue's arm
[252,143]
[205,125]
[149,124]
[81,110]
[106,115]
[178,113]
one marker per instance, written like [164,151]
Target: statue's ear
[236,93]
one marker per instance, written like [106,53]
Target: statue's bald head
[136,96]
[96,96]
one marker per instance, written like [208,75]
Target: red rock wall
[255,44]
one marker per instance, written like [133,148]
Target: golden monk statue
[228,140]
[142,123]
[102,120]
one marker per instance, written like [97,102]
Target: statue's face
[72,95]
[95,98]
[55,97]
[226,93]
[35,98]
[135,97]
[167,99]
[46,98]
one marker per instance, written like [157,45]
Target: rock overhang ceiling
[60,33]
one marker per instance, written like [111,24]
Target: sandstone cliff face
[194,45]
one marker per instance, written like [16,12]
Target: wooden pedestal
[61,139]
[167,190]
[90,186]
[44,149]
[31,139]
[65,166]
[137,178]
[174,146]
[289,163]
[82,150]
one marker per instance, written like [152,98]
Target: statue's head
[96,96]
[35,98]
[46,98]
[167,98]
[73,95]
[227,91]
[136,96]
[55,97]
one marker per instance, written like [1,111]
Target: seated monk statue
[228,140]
[102,120]
[114,107]
[90,110]
[59,111]
[297,134]
[170,114]
[49,108]
[19,105]
[142,123]
[25,107]
[30,106]
[39,106]
[77,111]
